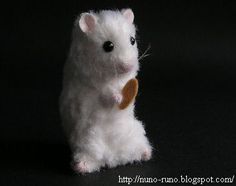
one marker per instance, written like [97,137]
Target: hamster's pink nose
[125,67]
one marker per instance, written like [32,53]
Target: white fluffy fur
[99,133]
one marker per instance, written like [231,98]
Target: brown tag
[129,92]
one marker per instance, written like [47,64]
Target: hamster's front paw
[116,98]
[109,100]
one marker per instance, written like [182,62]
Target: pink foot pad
[146,155]
[80,167]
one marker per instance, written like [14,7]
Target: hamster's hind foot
[147,154]
[85,166]
[80,167]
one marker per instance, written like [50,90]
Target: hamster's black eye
[132,40]
[108,46]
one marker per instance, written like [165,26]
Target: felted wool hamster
[103,57]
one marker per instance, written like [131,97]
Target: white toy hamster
[102,58]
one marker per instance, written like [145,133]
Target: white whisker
[145,54]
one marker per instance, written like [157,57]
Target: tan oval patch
[129,92]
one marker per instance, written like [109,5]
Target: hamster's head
[108,42]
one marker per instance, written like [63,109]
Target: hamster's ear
[128,14]
[87,22]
